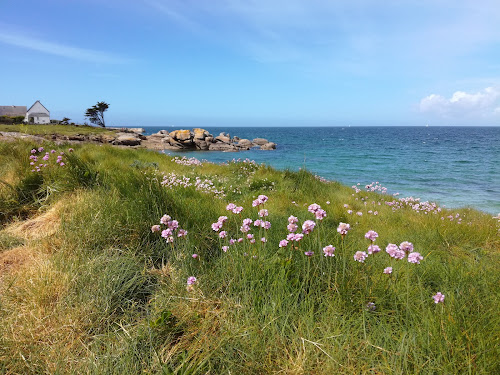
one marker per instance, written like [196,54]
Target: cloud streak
[70,52]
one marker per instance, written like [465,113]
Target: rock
[137,130]
[260,141]
[201,145]
[200,133]
[127,140]
[245,143]
[75,137]
[236,139]
[223,139]
[181,135]
[219,146]
[165,140]
[268,146]
[209,139]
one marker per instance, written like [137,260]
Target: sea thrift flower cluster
[343,228]
[375,186]
[46,158]
[171,180]
[318,212]
[172,229]
[186,161]
[438,297]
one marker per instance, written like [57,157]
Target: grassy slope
[54,129]
[102,294]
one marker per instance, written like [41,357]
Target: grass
[55,129]
[99,293]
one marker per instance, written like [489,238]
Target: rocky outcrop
[182,139]
[201,139]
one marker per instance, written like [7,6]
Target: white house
[37,114]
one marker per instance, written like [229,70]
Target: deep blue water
[454,166]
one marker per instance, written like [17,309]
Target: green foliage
[256,308]
[95,114]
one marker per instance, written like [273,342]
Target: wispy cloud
[70,52]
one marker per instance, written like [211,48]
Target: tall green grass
[255,308]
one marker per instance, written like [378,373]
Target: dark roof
[13,110]
[38,114]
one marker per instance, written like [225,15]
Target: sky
[208,63]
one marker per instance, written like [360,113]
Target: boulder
[201,145]
[200,133]
[260,141]
[219,146]
[137,130]
[268,146]
[127,140]
[209,139]
[181,135]
[223,139]
[245,143]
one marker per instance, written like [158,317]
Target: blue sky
[256,62]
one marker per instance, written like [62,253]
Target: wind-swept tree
[95,114]
[65,121]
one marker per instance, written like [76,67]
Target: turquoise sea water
[454,166]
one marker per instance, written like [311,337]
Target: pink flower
[313,208]
[62,164]
[343,228]
[225,248]
[263,240]
[222,219]
[346,205]
[216,226]
[391,249]
[155,228]
[293,220]
[33,151]
[349,212]
[252,240]
[244,228]
[230,207]
[388,270]
[266,225]
[415,258]
[237,210]
[320,214]
[371,235]
[240,240]
[329,251]
[257,223]
[438,297]
[40,149]
[308,226]
[256,202]
[195,256]
[170,239]
[309,253]
[182,233]
[166,233]
[290,236]
[297,237]
[359,213]
[165,219]
[406,246]
[46,157]
[249,236]
[263,213]
[191,280]
[292,227]
[174,224]
[223,234]
[283,243]
[247,221]
[373,249]
[262,198]
[232,241]
[360,256]
[69,149]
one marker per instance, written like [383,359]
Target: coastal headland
[181,140]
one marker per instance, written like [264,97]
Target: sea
[453,166]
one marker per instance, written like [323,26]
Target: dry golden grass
[38,227]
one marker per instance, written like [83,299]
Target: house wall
[39,114]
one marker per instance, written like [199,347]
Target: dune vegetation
[120,261]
